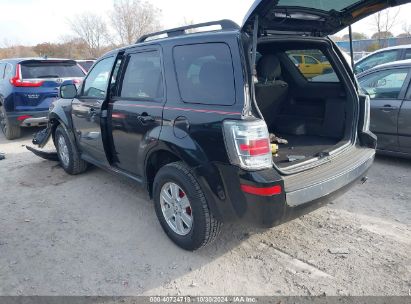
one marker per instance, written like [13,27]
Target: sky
[30,22]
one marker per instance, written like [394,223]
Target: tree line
[93,35]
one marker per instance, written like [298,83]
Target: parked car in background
[390,54]
[311,66]
[86,64]
[27,88]
[388,86]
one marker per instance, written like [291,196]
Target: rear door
[387,91]
[136,109]
[87,111]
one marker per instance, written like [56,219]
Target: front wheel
[67,152]
[182,209]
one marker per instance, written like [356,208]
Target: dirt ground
[97,234]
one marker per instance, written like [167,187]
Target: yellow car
[310,66]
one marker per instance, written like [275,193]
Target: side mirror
[68,91]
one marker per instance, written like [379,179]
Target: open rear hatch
[312,17]
[316,133]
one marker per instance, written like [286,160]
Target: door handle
[388,108]
[145,118]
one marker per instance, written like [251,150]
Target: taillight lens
[248,144]
[18,82]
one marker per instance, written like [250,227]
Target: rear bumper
[301,193]
[28,119]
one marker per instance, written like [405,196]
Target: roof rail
[179,31]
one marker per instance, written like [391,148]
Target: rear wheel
[9,130]
[67,152]
[182,209]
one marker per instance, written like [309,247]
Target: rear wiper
[48,76]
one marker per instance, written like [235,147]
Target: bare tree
[407,29]
[383,22]
[133,18]
[93,30]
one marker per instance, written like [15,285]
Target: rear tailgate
[37,81]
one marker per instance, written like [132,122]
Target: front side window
[205,73]
[384,84]
[96,83]
[143,77]
[376,59]
[310,60]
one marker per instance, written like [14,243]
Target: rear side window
[315,67]
[143,77]
[205,73]
[41,69]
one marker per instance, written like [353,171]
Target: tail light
[17,81]
[248,144]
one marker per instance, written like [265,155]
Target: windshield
[324,5]
[50,70]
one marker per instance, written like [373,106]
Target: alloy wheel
[176,208]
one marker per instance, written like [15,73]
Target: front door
[136,109]
[387,91]
[86,111]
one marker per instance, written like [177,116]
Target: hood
[312,17]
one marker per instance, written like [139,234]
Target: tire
[67,152]
[9,130]
[205,228]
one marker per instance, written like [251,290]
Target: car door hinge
[104,114]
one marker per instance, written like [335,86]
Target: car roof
[175,39]
[31,58]
[395,64]
[397,47]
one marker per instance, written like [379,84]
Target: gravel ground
[97,234]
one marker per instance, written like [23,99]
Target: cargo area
[302,99]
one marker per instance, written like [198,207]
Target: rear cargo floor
[303,147]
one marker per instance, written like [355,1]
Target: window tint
[407,54]
[143,77]
[316,67]
[384,84]
[376,59]
[50,70]
[96,82]
[205,73]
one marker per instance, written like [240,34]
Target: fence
[367,45]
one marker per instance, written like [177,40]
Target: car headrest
[269,68]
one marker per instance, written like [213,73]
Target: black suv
[223,125]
